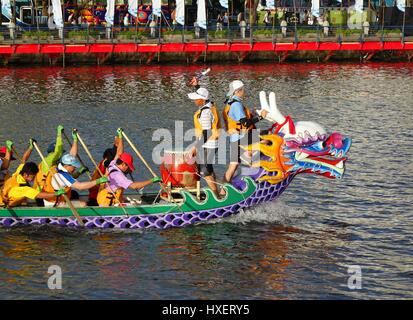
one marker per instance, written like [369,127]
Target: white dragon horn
[263,101]
[274,112]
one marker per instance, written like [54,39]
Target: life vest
[10,184]
[215,125]
[48,186]
[93,192]
[105,197]
[40,178]
[232,126]
[4,176]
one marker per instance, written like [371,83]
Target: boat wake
[267,213]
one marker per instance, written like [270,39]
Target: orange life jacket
[232,126]
[8,185]
[3,178]
[48,186]
[40,178]
[215,126]
[105,197]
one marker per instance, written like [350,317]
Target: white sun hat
[201,93]
[234,86]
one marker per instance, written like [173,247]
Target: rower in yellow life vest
[239,122]
[207,126]
[54,153]
[18,188]
[6,156]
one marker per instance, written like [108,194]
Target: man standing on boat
[207,125]
[239,123]
[119,167]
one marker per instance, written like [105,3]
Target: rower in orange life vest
[239,122]
[18,188]
[207,125]
[62,176]
[111,193]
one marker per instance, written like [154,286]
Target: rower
[6,155]
[54,153]
[207,125]
[239,121]
[64,172]
[108,156]
[119,167]
[18,188]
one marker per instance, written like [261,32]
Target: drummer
[207,125]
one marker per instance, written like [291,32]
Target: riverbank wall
[79,53]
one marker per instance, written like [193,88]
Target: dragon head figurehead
[302,147]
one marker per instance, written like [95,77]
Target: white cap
[201,93]
[234,86]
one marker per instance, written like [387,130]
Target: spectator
[197,30]
[268,18]
[284,28]
[243,27]
[219,22]
[126,21]
[152,25]
[240,17]
[326,26]
[226,19]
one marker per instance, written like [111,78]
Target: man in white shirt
[207,125]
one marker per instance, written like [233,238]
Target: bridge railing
[145,34]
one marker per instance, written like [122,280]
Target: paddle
[200,75]
[59,182]
[77,155]
[97,168]
[16,154]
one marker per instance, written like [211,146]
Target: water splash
[267,213]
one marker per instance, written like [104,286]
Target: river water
[299,247]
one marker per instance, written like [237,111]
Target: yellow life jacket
[232,126]
[215,126]
[10,184]
[48,186]
[40,178]
[105,198]
[3,178]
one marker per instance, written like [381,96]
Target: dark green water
[298,247]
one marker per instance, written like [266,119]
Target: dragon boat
[288,149]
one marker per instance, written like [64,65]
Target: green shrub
[265,32]
[82,34]
[177,32]
[387,31]
[304,31]
[131,34]
[36,34]
[220,34]
[349,32]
